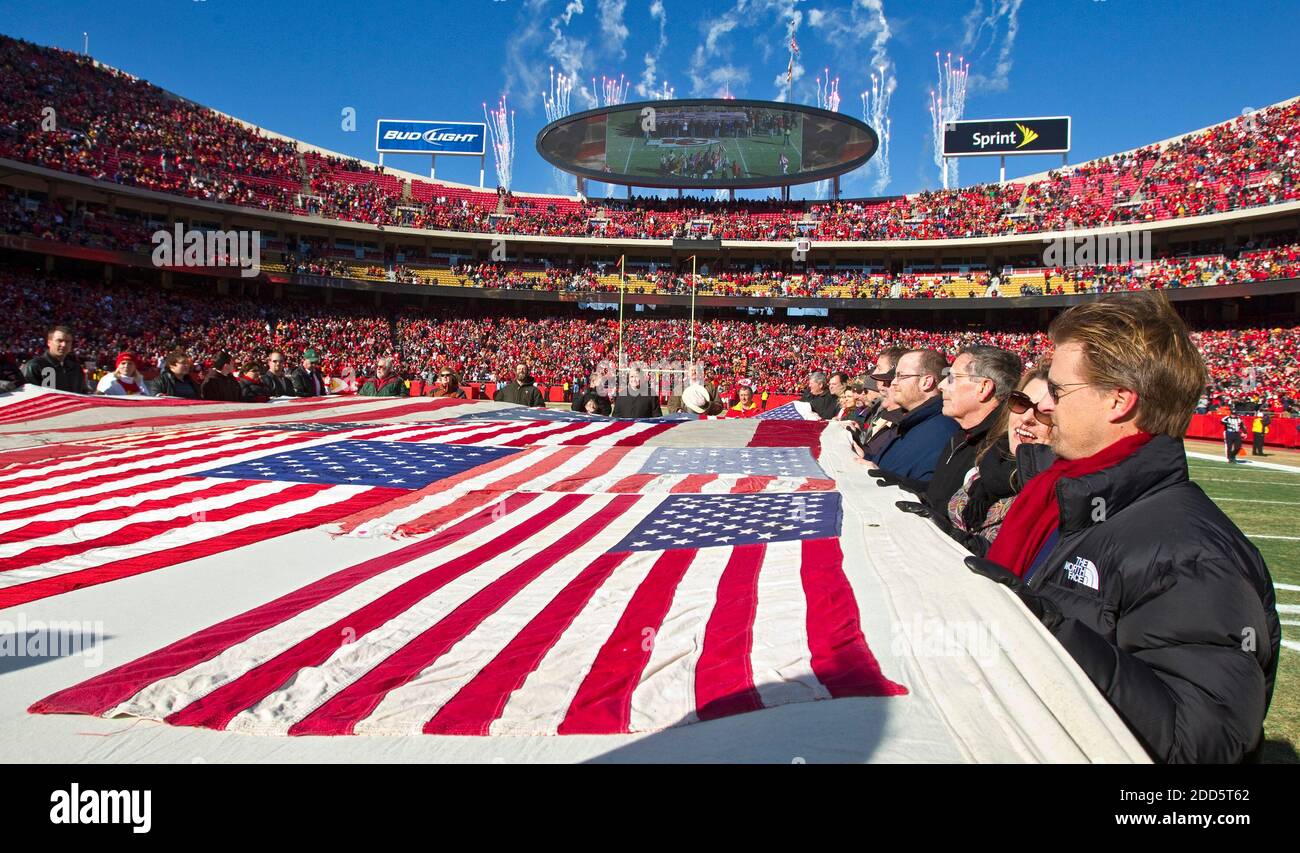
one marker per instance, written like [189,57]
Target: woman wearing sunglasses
[976,510]
[447,385]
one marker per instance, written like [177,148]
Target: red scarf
[1035,514]
[129,385]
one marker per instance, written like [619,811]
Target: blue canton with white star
[702,521]
[787,412]
[399,465]
[753,461]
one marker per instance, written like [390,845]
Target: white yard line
[1252,501]
[1271,466]
[1265,536]
[1286,587]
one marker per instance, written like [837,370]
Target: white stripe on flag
[666,693]
[780,658]
[542,701]
[86,532]
[134,499]
[172,694]
[197,532]
[406,709]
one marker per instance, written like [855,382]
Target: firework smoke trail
[611,92]
[948,103]
[556,101]
[875,112]
[828,98]
[828,92]
[501,128]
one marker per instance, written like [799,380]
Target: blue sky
[1128,71]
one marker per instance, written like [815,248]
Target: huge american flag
[533,573]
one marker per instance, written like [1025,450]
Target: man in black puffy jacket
[1156,594]
[57,368]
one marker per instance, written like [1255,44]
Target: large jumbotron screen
[707,144]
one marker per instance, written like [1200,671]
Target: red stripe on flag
[817,486]
[354,703]
[693,483]
[841,658]
[633,483]
[645,435]
[603,703]
[789,434]
[347,525]
[747,485]
[24,593]
[474,708]
[257,412]
[104,692]
[724,675]
[217,708]
[426,405]
[602,465]
[525,440]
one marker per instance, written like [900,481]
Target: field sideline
[1264,503]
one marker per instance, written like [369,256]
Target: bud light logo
[427,137]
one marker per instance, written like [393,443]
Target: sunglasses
[1020,403]
[1054,389]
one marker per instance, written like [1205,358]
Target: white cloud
[649,74]
[1001,24]
[612,26]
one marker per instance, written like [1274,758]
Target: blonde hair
[1137,341]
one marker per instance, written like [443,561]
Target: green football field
[1264,503]
[627,152]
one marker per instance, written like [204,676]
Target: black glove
[914,507]
[1045,609]
[883,478]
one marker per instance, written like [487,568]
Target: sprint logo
[1027,135]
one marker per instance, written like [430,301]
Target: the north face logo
[1082,571]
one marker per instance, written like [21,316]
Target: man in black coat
[1162,601]
[824,404]
[220,383]
[57,368]
[520,390]
[637,399]
[307,379]
[276,378]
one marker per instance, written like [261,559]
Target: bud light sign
[430,137]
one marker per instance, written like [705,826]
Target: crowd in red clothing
[558,342]
[113,127]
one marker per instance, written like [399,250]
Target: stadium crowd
[1248,366]
[110,126]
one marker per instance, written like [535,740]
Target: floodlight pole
[482,164]
[692,358]
[1002,169]
[433,167]
[622,283]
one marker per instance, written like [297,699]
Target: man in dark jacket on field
[220,383]
[637,399]
[307,379]
[174,379]
[520,390]
[924,432]
[1162,601]
[276,378]
[56,368]
[824,404]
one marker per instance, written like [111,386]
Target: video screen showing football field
[706,143]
